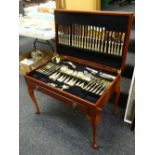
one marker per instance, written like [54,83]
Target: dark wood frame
[92,111]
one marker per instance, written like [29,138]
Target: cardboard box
[25,69]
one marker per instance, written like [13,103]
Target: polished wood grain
[31,93]
[91,110]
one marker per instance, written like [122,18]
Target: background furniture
[40,28]
[78,4]
[38,24]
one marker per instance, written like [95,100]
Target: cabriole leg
[94,120]
[94,128]
[31,93]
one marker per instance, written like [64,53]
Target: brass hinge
[119,71]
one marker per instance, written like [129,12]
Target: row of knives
[92,38]
[94,85]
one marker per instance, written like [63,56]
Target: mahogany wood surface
[91,110]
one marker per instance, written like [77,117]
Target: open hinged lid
[99,37]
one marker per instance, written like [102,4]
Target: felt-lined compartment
[75,90]
[112,22]
[107,60]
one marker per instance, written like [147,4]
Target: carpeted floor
[61,130]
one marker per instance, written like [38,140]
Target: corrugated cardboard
[25,69]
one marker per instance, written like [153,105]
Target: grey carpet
[61,130]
